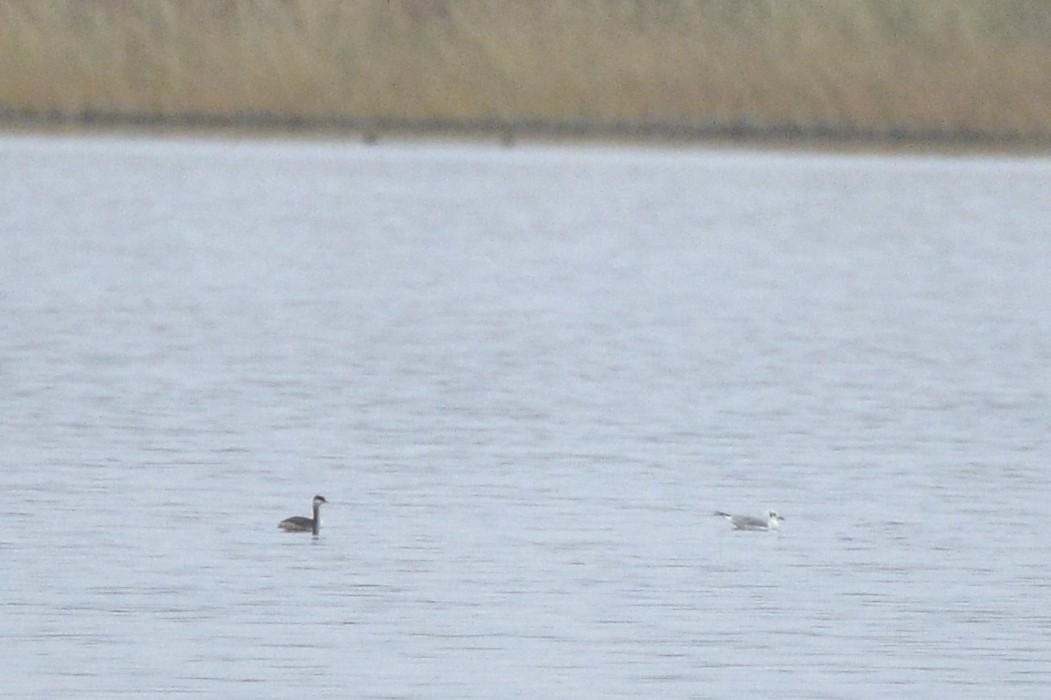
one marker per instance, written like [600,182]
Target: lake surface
[524,379]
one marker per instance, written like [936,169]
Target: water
[525,379]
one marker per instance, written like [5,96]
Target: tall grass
[963,69]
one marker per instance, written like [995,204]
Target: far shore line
[508,132]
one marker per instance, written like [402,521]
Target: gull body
[772,521]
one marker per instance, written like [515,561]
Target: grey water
[524,379]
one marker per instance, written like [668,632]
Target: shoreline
[508,133]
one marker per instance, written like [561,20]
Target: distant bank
[878,71]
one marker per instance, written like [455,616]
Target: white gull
[772,521]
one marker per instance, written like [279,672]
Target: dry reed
[954,69]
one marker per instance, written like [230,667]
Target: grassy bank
[967,70]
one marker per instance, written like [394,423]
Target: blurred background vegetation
[970,71]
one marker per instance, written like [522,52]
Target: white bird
[772,521]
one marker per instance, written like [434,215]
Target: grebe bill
[297,523]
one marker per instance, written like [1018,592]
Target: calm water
[524,379]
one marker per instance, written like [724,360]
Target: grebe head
[318,500]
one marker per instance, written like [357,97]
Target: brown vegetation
[875,69]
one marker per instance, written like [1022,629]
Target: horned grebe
[772,521]
[297,523]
